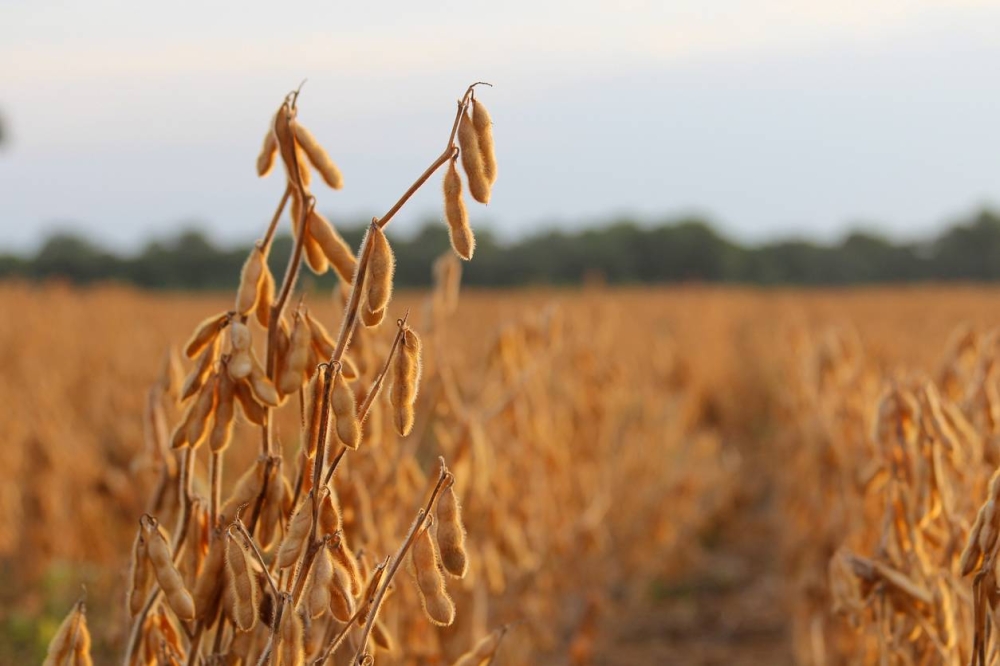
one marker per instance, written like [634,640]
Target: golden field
[683,475]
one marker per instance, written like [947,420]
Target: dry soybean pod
[472,160]
[483,650]
[243,591]
[371,318]
[318,157]
[195,380]
[451,533]
[438,606]
[344,408]
[459,231]
[289,651]
[295,537]
[381,267]
[204,334]
[483,124]
[268,151]
[70,646]
[246,489]
[250,281]
[406,382]
[261,386]
[158,551]
[333,246]
[225,411]
[265,296]
[320,579]
[208,588]
[252,410]
[142,575]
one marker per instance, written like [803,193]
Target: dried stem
[377,384]
[397,560]
[215,492]
[273,226]
[351,311]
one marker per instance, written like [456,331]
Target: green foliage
[625,251]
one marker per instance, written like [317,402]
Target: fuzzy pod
[252,410]
[381,266]
[314,414]
[296,361]
[406,382]
[483,124]
[246,490]
[240,365]
[304,174]
[344,408]
[70,646]
[250,281]
[322,343]
[459,231]
[345,558]
[194,381]
[472,160]
[318,585]
[239,336]
[195,542]
[268,153]
[295,537]
[204,334]
[451,534]
[438,606]
[315,257]
[483,650]
[288,651]
[283,136]
[160,556]
[200,412]
[243,588]
[265,296]
[318,157]
[341,601]
[208,588]
[381,636]
[260,385]
[329,512]
[225,412]
[141,577]
[336,250]
[371,318]
[276,506]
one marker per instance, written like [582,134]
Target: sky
[128,121]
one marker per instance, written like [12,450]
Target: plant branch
[273,226]
[397,560]
[377,385]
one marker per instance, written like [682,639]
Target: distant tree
[625,251]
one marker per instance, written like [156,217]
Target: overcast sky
[128,120]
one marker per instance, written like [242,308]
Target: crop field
[290,475]
[685,475]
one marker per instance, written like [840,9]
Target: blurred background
[750,141]
[660,321]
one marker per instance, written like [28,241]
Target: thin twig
[273,226]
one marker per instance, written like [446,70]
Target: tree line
[622,252]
